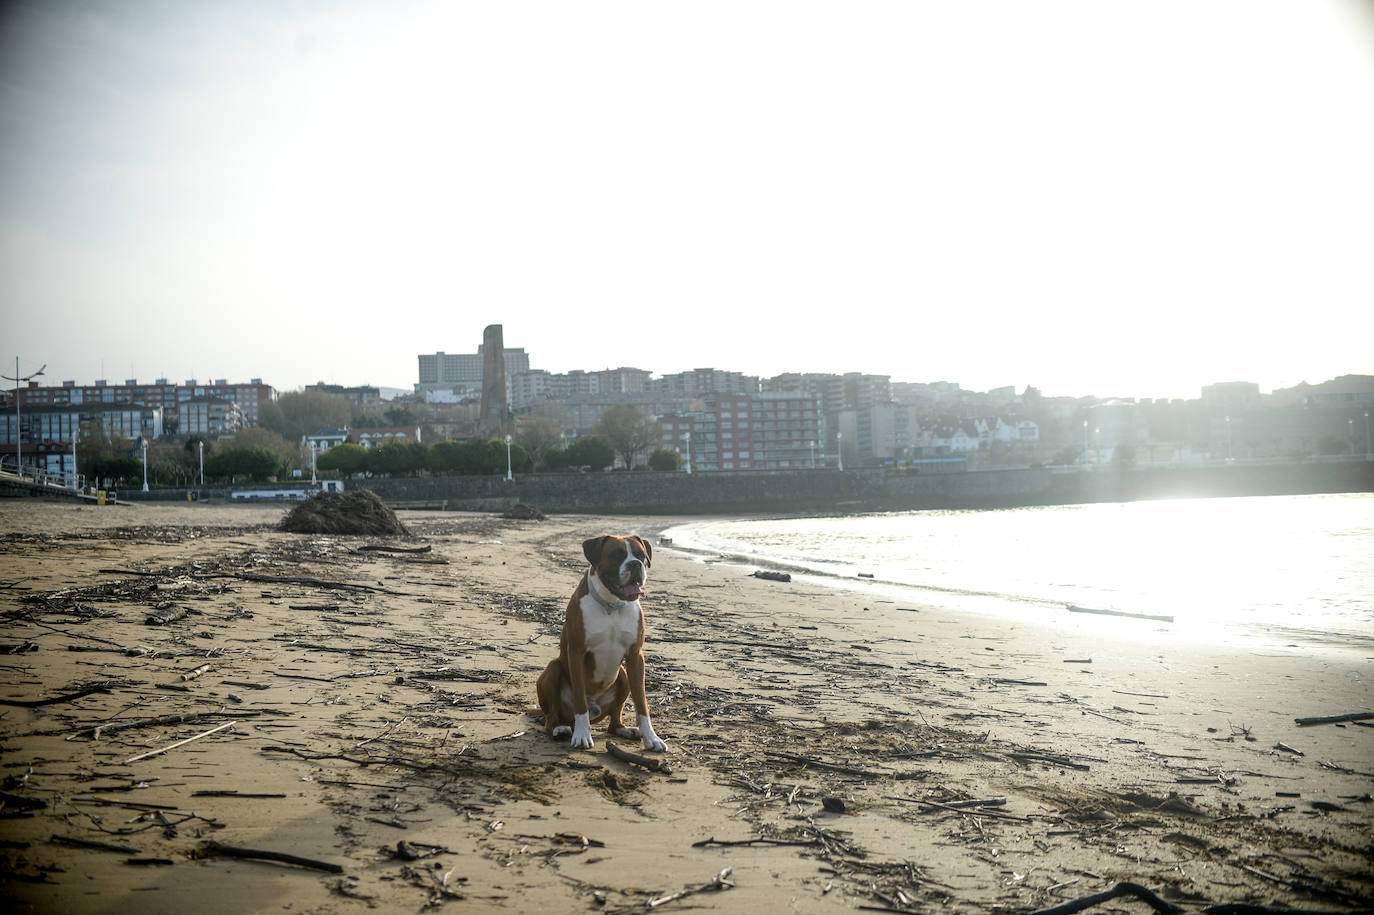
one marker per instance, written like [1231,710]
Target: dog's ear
[592,548]
[648,549]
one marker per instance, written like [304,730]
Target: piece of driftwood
[231,793]
[1050,759]
[308,580]
[1121,889]
[773,576]
[19,802]
[971,808]
[834,767]
[183,718]
[179,743]
[164,615]
[721,882]
[89,843]
[64,697]
[648,762]
[192,674]
[762,840]
[383,548]
[1287,749]
[1333,719]
[1138,616]
[234,851]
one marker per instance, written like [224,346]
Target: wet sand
[823,744]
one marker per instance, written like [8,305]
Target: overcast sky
[1109,198]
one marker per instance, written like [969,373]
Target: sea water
[1283,566]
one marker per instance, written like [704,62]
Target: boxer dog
[601,653]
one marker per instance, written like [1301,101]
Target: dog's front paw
[651,740]
[582,733]
[561,731]
[625,731]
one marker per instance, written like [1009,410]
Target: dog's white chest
[609,634]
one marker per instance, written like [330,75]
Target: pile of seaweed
[524,512]
[356,511]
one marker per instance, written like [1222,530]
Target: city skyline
[992,195]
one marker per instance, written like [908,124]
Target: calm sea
[1281,566]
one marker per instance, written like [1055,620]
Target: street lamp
[143,443]
[839,450]
[1230,455]
[687,436]
[508,473]
[312,463]
[201,443]
[1085,443]
[20,381]
[812,445]
[1367,450]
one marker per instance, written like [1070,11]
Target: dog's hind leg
[622,692]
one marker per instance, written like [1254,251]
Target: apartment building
[48,431]
[364,397]
[248,397]
[463,371]
[699,382]
[746,432]
[210,417]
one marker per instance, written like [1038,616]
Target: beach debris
[720,882]
[387,548]
[1333,719]
[1162,618]
[167,613]
[1287,749]
[647,762]
[772,576]
[213,849]
[1121,889]
[523,511]
[354,511]
[91,843]
[173,746]
[102,687]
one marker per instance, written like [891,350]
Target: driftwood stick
[735,843]
[1138,616]
[1051,760]
[234,851]
[308,580]
[1121,889]
[65,697]
[99,729]
[1333,719]
[648,762]
[173,746]
[383,548]
[721,882]
[88,843]
[833,767]
[966,807]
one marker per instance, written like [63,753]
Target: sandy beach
[185,684]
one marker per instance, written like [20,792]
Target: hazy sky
[1110,198]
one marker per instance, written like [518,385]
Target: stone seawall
[864,490]
[835,491]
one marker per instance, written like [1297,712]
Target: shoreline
[1339,633]
[823,729]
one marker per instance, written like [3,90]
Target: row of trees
[264,456]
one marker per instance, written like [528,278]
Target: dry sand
[381,727]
